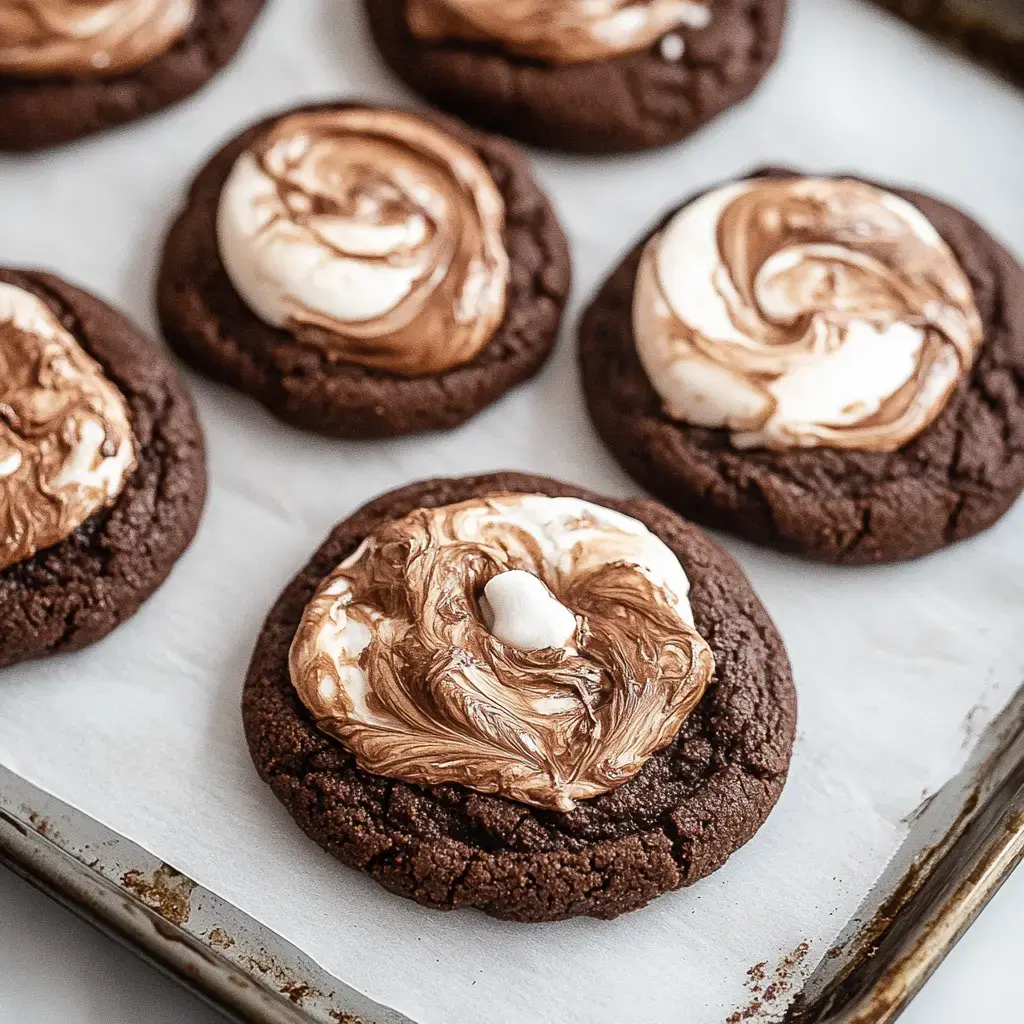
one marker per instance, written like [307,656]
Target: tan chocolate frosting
[798,312]
[87,38]
[66,444]
[559,31]
[395,659]
[371,235]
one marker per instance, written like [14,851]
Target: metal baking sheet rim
[916,914]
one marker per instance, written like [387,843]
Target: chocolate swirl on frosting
[798,312]
[395,659]
[94,38]
[66,444]
[559,31]
[371,235]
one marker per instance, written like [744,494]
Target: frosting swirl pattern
[66,443]
[559,31]
[397,658]
[369,234]
[798,312]
[94,38]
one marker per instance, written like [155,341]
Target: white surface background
[54,968]
[885,684]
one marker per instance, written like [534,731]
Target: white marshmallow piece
[526,614]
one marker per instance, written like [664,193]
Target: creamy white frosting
[66,443]
[868,321]
[572,535]
[365,224]
[88,468]
[28,313]
[86,37]
[295,265]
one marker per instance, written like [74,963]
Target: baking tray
[962,841]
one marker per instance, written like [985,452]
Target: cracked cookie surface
[37,113]
[74,593]
[209,325]
[692,805]
[955,479]
[632,102]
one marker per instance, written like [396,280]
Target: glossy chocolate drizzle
[390,191]
[434,697]
[66,445]
[801,262]
[558,31]
[87,38]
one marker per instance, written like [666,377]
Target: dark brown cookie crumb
[73,594]
[627,103]
[692,805]
[209,325]
[36,113]
[955,479]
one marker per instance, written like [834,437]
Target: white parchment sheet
[143,732]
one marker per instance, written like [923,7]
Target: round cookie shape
[143,513]
[894,468]
[692,804]
[579,77]
[71,68]
[372,272]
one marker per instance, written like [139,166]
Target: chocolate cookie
[102,470]
[845,379]
[69,72]
[398,282]
[564,76]
[685,807]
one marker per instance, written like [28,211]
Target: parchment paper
[897,667]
